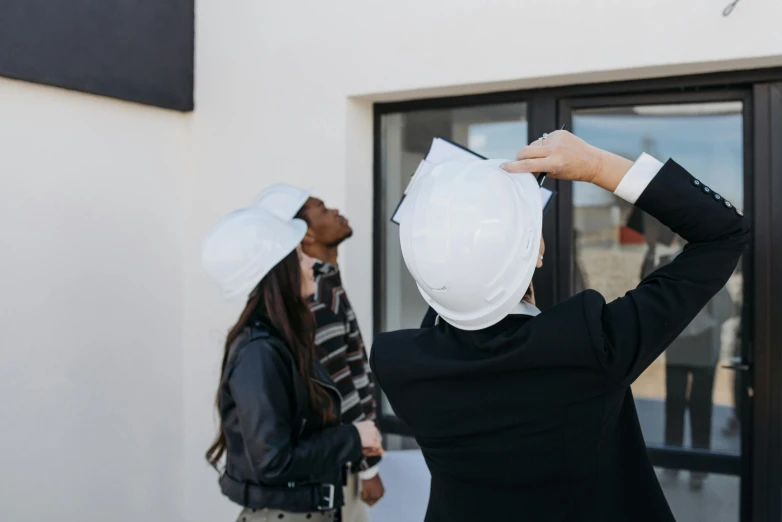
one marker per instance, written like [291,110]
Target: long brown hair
[278,296]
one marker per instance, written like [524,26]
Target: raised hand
[563,155]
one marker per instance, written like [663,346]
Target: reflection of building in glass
[616,245]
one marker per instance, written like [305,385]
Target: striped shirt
[341,348]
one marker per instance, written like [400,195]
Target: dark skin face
[326,230]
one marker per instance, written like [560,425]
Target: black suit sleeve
[263,398]
[632,331]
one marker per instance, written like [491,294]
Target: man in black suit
[532,417]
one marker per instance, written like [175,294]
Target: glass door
[692,401]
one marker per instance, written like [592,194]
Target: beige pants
[354,510]
[275,515]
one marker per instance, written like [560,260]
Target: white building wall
[111,334]
[90,320]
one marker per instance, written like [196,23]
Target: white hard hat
[470,236]
[245,245]
[282,200]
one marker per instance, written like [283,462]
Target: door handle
[737,365]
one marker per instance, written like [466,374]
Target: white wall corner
[356,262]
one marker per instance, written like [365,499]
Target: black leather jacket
[279,455]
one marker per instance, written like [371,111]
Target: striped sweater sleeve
[341,349]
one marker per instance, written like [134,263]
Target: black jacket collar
[496,337]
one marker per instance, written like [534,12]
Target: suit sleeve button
[739,212]
[728,204]
[706,190]
[717,197]
[696,182]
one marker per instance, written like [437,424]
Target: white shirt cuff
[369,473]
[638,178]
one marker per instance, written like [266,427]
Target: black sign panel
[136,50]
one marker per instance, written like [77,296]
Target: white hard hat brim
[251,280]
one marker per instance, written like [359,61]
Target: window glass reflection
[685,399]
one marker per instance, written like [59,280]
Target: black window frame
[760,465]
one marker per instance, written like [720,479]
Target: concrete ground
[718,501]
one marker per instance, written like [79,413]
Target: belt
[310,497]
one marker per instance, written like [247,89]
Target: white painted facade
[111,334]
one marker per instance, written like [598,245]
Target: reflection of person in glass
[528,415]
[733,426]
[693,357]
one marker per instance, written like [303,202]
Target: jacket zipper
[329,386]
[339,409]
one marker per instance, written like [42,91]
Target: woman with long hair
[285,449]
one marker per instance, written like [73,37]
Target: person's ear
[309,238]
